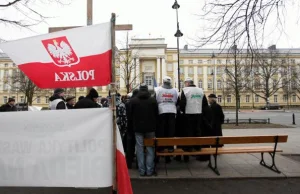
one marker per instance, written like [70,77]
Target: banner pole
[113,101]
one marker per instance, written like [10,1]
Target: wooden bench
[215,150]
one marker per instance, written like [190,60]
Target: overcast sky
[154,18]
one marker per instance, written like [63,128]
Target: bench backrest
[189,141]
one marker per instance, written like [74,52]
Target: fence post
[268,120]
[249,120]
[294,123]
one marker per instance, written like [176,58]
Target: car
[271,106]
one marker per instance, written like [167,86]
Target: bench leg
[215,168]
[272,167]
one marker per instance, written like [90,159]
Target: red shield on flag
[61,51]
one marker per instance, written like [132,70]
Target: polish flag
[78,57]
[123,178]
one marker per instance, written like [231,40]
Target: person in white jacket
[167,98]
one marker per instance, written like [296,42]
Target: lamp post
[178,34]
[214,72]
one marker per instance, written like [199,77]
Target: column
[137,71]
[122,73]
[186,72]
[158,70]
[195,76]
[164,68]
[204,78]
[175,74]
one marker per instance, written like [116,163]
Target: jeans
[150,155]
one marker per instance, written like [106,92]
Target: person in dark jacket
[9,106]
[216,119]
[130,149]
[80,98]
[70,102]
[144,116]
[90,101]
[57,101]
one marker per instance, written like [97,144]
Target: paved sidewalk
[238,165]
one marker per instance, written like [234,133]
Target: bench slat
[230,150]
[189,141]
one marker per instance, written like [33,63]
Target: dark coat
[7,108]
[215,117]
[87,102]
[69,106]
[143,113]
[60,105]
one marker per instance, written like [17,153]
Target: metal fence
[248,121]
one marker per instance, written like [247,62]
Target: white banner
[61,148]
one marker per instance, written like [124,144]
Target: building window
[229,99]
[285,99]
[181,84]
[181,62]
[22,99]
[219,99]
[275,98]
[118,71]
[256,98]
[209,84]
[5,86]
[38,99]
[47,99]
[209,70]
[247,98]
[14,65]
[200,62]
[219,70]
[81,89]
[200,84]
[200,70]
[4,99]
[293,61]
[219,84]
[181,70]
[170,67]
[191,70]
[6,65]
[294,98]
[148,80]
[219,61]
[118,84]
[6,74]
[190,61]
[228,61]
[208,61]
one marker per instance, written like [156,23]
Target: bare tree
[235,76]
[251,20]
[128,66]
[21,83]
[269,73]
[296,80]
[27,11]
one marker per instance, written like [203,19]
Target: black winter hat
[11,100]
[144,87]
[70,98]
[58,90]
[212,96]
[93,93]
[135,92]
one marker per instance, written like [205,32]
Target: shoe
[143,175]
[151,174]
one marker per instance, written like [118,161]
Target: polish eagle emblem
[61,51]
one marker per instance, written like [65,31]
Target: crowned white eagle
[62,51]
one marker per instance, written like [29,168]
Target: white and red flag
[78,57]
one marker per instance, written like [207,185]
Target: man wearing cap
[143,113]
[90,101]
[9,106]
[57,101]
[166,97]
[216,116]
[70,102]
[191,104]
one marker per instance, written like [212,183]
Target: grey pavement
[239,165]
[277,117]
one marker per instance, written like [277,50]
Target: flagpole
[113,101]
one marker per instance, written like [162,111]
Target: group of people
[169,114]
[166,113]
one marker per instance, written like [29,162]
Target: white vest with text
[54,103]
[166,99]
[194,98]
